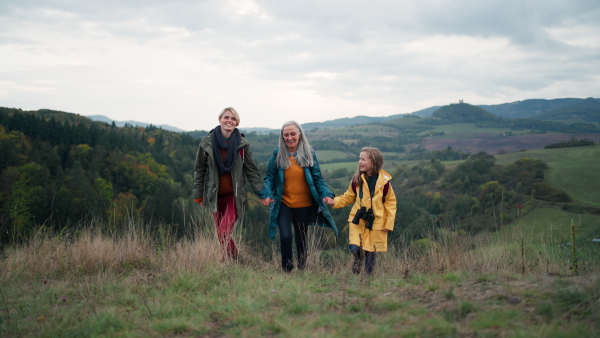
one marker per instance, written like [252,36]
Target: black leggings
[300,217]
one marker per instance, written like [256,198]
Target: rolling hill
[108,120]
[556,109]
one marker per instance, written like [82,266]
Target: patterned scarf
[219,142]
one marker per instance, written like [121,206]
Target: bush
[546,192]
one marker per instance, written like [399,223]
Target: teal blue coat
[273,188]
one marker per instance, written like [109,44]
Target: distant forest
[60,170]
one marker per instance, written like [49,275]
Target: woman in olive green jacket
[223,162]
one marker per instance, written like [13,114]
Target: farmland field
[351,166]
[462,131]
[332,155]
[468,138]
[573,169]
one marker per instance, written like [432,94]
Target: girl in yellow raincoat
[374,209]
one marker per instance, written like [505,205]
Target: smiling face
[291,135]
[228,123]
[365,164]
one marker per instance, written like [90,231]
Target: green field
[351,166]
[463,131]
[555,225]
[573,169]
[403,121]
[358,130]
[332,155]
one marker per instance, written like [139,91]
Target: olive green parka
[206,174]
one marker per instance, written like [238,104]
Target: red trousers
[224,219]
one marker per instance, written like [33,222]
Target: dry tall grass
[90,251]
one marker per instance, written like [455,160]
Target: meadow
[574,170]
[137,282]
[465,131]
[352,165]
[325,156]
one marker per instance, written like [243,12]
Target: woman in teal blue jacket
[296,192]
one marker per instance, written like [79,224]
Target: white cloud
[181,62]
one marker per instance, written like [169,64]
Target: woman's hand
[266,201]
[328,201]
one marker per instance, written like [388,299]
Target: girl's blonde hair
[233,111]
[376,158]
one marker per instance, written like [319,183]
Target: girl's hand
[328,201]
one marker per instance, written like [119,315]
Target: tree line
[61,170]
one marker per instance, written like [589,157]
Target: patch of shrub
[546,192]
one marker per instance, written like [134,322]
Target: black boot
[369,262]
[356,265]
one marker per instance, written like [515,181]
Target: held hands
[266,201]
[328,201]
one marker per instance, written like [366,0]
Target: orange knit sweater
[296,193]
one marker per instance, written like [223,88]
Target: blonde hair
[304,156]
[233,111]
[376,158]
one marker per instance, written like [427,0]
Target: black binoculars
[365,214]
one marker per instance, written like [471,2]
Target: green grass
[358,130]
[574,170]
[351,166]
[462,131]
[252,301]
[403,121]
[555,225]
[185,290]
[331,155]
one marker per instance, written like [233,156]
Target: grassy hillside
[326,156]
[359,130]
[554,226]
[351,166]
[461,131]
[132,285]
[574,170]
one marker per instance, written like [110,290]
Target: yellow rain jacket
[374,240]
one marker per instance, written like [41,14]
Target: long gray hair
[304,156]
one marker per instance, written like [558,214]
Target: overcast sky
[181,62]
